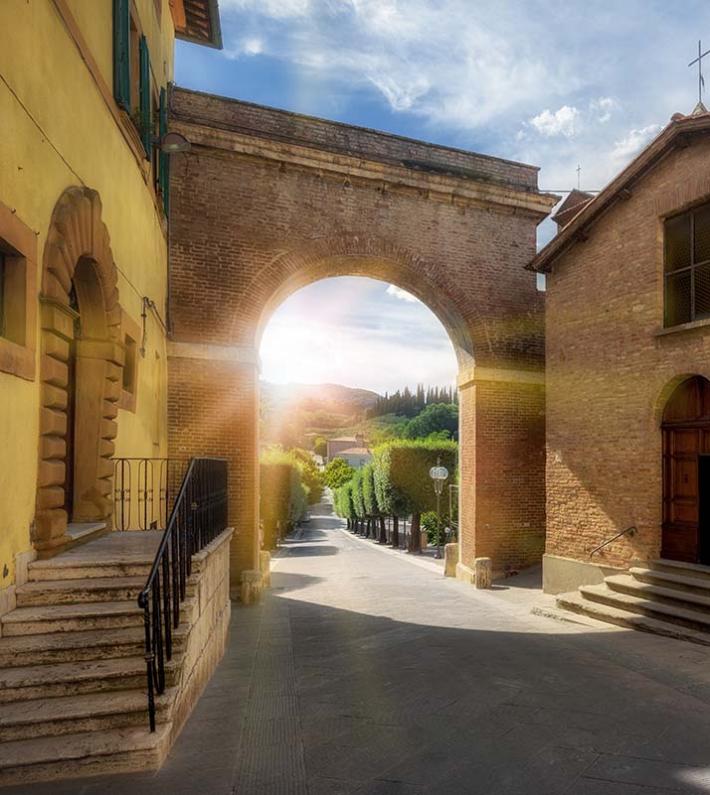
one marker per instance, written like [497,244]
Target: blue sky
[555,84]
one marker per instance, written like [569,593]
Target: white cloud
[564,122]
[602,108]
[278,9]
[633,142]
[403,295]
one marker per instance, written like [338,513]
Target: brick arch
[77,252]
[354,255]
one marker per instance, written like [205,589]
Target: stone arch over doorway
[269,201]
[80,369]
[686,471]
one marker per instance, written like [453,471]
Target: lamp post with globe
[439,475]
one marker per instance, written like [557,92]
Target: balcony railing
[141,493]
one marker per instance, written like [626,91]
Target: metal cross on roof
[699,62]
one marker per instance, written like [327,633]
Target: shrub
[283,497]
[337,473]
[402,482]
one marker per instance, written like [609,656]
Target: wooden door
[686,437]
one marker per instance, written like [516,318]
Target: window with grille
[687,267]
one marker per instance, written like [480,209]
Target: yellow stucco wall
[56,130]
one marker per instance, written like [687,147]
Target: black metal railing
[198,516]
[141,493]
[630,530]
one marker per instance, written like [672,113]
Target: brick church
[627,369]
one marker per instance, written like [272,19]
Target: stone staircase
[665,597]
[72,671]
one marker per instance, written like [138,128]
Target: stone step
[669,579]
[49,717]
[696,619]
[90,589]
[73,568]
[46,619]
[599,611]
[55,680]
[83,754]
[680,567]
[625,583]
[100,644]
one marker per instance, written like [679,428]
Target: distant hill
[289,412]
[332,398]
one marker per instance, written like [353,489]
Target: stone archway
[268,201]
[77,258]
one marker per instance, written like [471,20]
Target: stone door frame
[77,251]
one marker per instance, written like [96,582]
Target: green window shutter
[121,53]
[145,98]
[164,159]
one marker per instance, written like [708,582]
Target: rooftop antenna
[701,79]
[579,177]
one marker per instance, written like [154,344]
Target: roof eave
[577,229]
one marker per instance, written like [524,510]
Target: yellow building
[83,257]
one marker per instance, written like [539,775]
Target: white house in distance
[352,449]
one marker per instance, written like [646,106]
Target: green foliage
[357,494]
[369,493]
[311,475]
[283,497]
[337,473]
[410,403]
[441,419]
[402,482]
[343,501]
[435,527]
[320,446]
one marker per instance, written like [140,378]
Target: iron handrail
[198,516]
[630,530]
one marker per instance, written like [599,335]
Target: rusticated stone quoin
[77,253]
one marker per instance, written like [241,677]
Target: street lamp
[438,474]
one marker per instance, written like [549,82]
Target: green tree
[320,446]
[337,473]
[434,419]
[372,509]
[311,475]
[402,482]
[283,496]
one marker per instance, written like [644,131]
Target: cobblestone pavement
[361,673]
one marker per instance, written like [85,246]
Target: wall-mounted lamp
[173,143]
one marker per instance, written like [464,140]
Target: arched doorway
[80,370]
[686,473]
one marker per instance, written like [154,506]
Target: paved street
[363,673]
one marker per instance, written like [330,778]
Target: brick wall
[609,370]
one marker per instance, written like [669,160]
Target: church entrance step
[696,619]
[600,611]
[670,579]
[680,567]
[628,584]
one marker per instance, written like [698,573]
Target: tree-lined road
[362,673]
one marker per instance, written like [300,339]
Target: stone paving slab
[363,674]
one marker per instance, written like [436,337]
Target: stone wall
[209,628]
[610,368]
